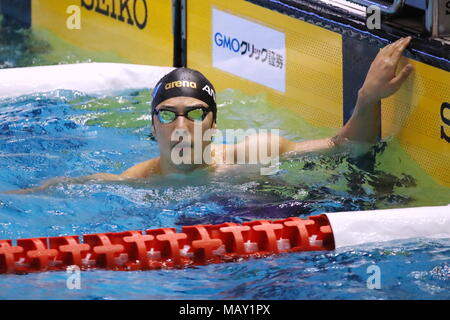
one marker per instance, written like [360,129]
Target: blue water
[66,133]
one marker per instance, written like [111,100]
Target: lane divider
[165,248]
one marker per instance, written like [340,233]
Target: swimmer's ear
[152,134]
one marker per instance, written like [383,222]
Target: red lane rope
[165,248]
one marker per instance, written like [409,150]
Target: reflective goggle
[166,116]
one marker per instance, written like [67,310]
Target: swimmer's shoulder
[142,170]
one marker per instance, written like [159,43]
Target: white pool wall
[359,227]
[90,78]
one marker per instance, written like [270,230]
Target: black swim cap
[185,82]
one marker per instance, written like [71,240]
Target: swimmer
[184,97]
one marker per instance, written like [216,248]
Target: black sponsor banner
[357,56]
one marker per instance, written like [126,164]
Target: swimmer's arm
[275,145]
[364,124]
[381,82]
[142,170]
[317,145]
[361,128]
[55,181]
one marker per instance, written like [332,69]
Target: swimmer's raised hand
[382,80]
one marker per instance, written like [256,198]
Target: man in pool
[184,97]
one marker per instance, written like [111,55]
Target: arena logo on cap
[179,84]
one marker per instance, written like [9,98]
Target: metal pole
[179,32]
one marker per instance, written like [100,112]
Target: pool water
[21,47]
[68,133]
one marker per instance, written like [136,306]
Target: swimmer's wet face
[182,100]
[181,115]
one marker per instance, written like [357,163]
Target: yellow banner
[307,68]
[137,31]
[418,115]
